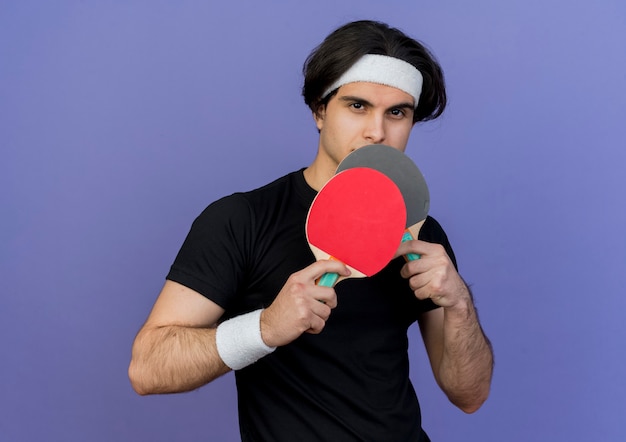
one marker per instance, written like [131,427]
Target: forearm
[174,359]
[466,364]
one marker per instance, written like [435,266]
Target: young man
[241,293]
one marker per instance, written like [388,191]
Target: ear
[318,116]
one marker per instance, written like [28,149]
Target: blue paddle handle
[408,237]
[328,279]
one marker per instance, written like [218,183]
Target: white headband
[385,70]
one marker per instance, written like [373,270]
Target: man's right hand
[301,306]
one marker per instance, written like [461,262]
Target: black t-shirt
[350,382]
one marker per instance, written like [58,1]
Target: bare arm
[460,354]
[175,350]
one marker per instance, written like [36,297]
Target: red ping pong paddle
[405,174]
[358,218]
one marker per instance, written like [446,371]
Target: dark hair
[347,44]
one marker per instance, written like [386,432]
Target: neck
[319,172]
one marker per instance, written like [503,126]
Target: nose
[374,131]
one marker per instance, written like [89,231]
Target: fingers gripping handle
[328,279]
[409,256]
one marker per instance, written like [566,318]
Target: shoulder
[432,231]
[224,211]
[291,186]
[252,211]
[288,196]
[243,204]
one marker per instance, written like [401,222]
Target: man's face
[364,113]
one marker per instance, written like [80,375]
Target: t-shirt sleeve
[432,232]
[213,258]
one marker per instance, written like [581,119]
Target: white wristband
[239,342]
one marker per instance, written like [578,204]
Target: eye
[357,106]
[401,113]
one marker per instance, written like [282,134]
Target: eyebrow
[346,98]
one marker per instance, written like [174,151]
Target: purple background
[121,121]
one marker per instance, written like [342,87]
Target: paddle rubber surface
[404,173]
[358,218]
